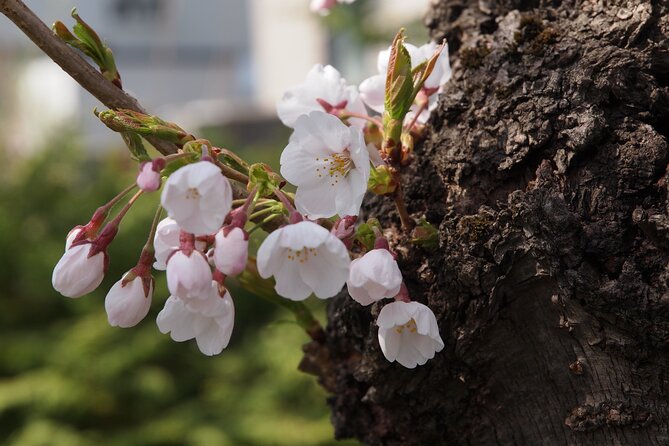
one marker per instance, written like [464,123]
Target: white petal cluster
[373,277]
[329,164]
[197,197]
[127,304]
[372,90]
[322,83]
[231,251]
[78,272]
[209,320]
[408,333]
[189,275]
[304,258]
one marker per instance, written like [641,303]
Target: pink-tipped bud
[80,270]
[148,178]
[231,251]
[344,227]
[128,302]
[188,274]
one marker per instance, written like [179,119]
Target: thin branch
[74,65]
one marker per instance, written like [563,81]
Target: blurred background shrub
[67,378]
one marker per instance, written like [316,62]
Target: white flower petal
[373,92]
[77,274]
[127,305]
[289,283]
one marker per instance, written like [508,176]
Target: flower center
[302,255]
[410,326]
[192,193]
[336,166]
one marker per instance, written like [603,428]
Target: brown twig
[74,65]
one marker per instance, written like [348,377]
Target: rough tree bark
[545,170]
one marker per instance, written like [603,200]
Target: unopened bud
[149,178]
[381,181]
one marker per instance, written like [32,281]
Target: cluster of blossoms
[335,154]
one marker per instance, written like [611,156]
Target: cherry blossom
[79,271]
[373,277]
[127,303]
[188,274]
[304,258]
[408,333]
[209,321]
[329,164]
[231,251]
[324,90]
[197,197]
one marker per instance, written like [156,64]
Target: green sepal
[123,120]
[381,181]
[364,233]
[262,177]
[425,235]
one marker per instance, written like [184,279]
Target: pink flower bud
[79,271]
[148,178]
[127,303]
[344,229]
[231,251]
[188,275]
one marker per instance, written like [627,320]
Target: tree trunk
[545,171]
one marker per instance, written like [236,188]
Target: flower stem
[398,196]
[260,213]
[420,110]
[352,114]
[264,222]
[126,208]
[232,173]
[285,201]
[111,203]
[154,226]
[176,156]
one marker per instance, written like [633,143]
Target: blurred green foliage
[67,378]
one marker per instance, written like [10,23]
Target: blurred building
[196,62]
